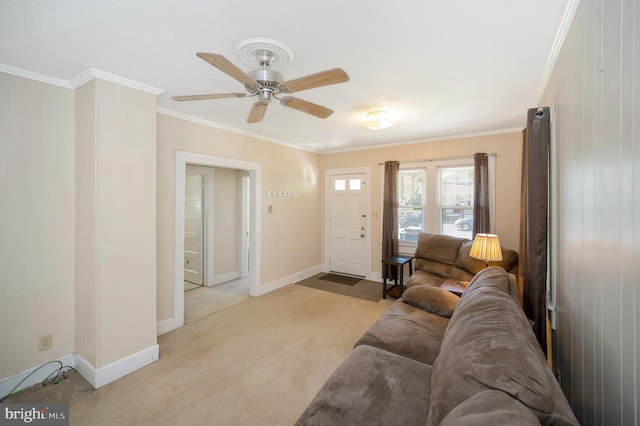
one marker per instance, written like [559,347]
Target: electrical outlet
[45,342]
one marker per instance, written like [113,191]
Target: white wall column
[115,279]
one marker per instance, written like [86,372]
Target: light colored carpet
[204,301]
[190,286]
[259,362]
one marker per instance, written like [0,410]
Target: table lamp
[486,247]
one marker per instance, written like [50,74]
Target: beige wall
[290,234]
[116,196]
[594,92]
[36,222]
[86,216]
[507,146]
[227,221]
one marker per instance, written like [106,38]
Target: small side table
[455,286]
[398,262]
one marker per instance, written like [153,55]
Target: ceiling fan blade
[224,65]
[306,106]
[257,112]
[205,97]
[324,78]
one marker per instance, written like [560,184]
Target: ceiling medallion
[250,51]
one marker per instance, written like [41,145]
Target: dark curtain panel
[534,232]
[390,214]
[481,221]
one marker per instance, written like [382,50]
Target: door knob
[362,235]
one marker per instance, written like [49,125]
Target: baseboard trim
[375,276]
[171,324]
[274,285]
[223,278]
[107,374]
[168,325]
[8,383]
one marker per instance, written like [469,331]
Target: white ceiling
[441,68]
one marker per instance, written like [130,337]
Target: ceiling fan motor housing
[269,80]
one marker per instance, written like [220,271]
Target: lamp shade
[486,247]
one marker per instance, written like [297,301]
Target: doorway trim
[328,173]
[255,178]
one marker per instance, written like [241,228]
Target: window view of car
[411,219]
[409,224]
[464,224]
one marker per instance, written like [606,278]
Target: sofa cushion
[424,278]
[407,331]
[372,387]
[467,263]
[437,253]
[490,407]
[489,345]
[431,299]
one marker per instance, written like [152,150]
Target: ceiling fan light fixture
[377,120]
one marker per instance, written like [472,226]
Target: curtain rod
[493,154]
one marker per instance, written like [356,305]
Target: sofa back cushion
[466,266]
[489,345]
[437,253]
[493,408]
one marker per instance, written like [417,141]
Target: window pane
[410,187]
[410,201]
[455,186]
[410,223]
[340,185]
[354,184]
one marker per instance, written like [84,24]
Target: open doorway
[245,211]
[216,239]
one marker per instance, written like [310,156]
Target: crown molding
[427,140]
[92,73]
[81,79]
[35,76]
[219,126]
[556,47]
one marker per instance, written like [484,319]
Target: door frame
[328,174]
[183,158]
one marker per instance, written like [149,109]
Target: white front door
[347,224]
[193,229]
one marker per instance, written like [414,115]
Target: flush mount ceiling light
[378,120]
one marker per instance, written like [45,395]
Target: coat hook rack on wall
[280,193]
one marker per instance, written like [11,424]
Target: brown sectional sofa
[436,359]
[440,257]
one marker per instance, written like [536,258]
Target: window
[455,207]
[410,204]
[341,184]
[435,197]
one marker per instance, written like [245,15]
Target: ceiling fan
[267,84]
